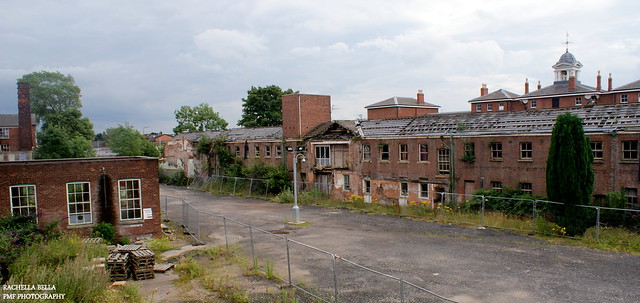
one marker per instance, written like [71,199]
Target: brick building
[397,107]
[81,193]
[18,132]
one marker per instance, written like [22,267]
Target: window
[579,101]
[278,151]
[443,161]
[404,152]
[489,107]
[624,98]
[424,191]
[237,150]
[496,185]
[424,152]
[404,189]
[596,147]
[526,188]
[267,151]
[500,106]
[257,151]
[526,150]
[384,152]
[345,182]
[632,195]
[4,147]
[366,186]
[4,133]
[322,155]
[366,153]
[130,199]
[629,150]
[469,152]
[534,103]
[79,203]
[496,150]
[478,107]
[23,200]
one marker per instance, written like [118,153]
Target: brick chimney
[572,83]
[25,131]
[484,90]
[609,83]
[598,81]
[526,85]
[420,97]
[539,86]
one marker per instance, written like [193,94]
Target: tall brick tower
[25,131]
[301,113]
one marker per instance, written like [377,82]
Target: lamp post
[298,154]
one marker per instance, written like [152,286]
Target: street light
[299,153]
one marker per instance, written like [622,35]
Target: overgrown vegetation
[172,177]
[106,231]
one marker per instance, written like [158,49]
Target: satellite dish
[524,101]
[588,96]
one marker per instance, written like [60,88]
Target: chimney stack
[598,81]
[610,83]
[484,90]
[420,97]
[539,86]
[526,85]
[572,82]
[25,139]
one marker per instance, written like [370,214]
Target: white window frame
[424,190]
[489,107]
[478,107]
[20,199]
[501,106]
[597,149]
[383,153]
[4,133]
[404,189]
[629,150]
[578,100]
[366,152]
[130,202]
[526,188]
[346,183]
[76,217]
[267,151]
[422,152]
[444,158]
[256,151]
[496,151]
[323,155]
[278,151]
[403,151]
[534,103]
[624,98]
[526,152]
[366,186]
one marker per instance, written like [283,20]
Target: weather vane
[567,42]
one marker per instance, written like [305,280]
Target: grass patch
[160,245]
[613,239]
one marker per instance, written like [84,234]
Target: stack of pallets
[133,260]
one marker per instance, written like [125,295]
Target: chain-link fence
[334,279]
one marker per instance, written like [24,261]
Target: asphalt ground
[460,263]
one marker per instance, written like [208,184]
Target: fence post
[235,183]
[251,188]
[335,279]
[198,223]
[221,182]
[482,210]
[286,240]
[266,190]
[185,214]
[533,217]
[226,239]
[597,224]
[401,291]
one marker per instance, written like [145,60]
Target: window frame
[127,200]
[346,182]
[490,107]
[630,153]
[423,154]
[526,152]
[495,151]
[325,151]
[84,202]
[5,147]
[404,189]
[496,185]
[632,195]
[598,153]
[256,151]
[366,187]
[385,153]
[624,98]
[578,101]
[526,187]
[424,188]
[366,153]
[478,108]
[278,151]
[20,197]
[500,106]
[403,152]
[533,103]
[267,151]
[444,161]
[4,133]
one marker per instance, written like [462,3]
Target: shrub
[105,231]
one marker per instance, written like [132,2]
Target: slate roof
[323,130]
[9,120]
[237,134]
[400,101]
[559,88]
[500,94]
[610,118]
[633,85]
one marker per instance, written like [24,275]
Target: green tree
[263,106]
[52,92]
[55,142]
[124,140]
[198,118]
[219,158]
[570,174]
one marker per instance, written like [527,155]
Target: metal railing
[336,279]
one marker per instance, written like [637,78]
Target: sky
[136,62]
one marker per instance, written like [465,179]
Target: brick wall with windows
[81,193]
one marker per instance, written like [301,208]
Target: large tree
[52,92]
[198,118]
[263,106]
[570,174]
[124,140]
[55,142]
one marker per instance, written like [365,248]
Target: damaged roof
[337,129]
[602,118]
[237,134]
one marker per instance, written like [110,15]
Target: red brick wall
[298,120]
[12,141]
[51,176]
[396,112]
[26,134]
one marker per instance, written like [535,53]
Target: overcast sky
[138,61]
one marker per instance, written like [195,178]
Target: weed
[189,269]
